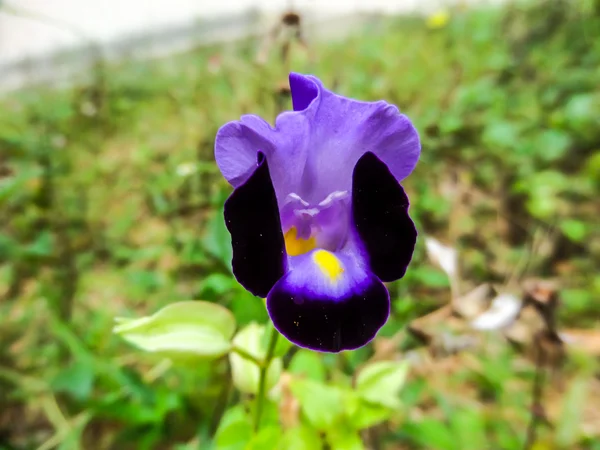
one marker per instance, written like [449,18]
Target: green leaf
[569,425]
[218,240]
[544,190]
[267,437]
[321,404]
[431,277]
[76,380]
[363,414]
[380,382]
[217,283]
[247,308]
[307,364]
[342,438]
[182,330]
[592,166]
[245,373]
[451,123]
[573,229]
[500,134]
[581,111]
[552,144]
[505,435]
[578,300]
[431,434]
[469,428]
[8,247]
[302,437]
[41,247]
[235,430]
[74,436]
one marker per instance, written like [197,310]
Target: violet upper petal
[312,150]
[236,147]
[285,146]
[380,214]
[304,91]
[252,218]
[328,311]
[342,130]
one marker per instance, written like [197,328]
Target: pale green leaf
[183,329]
[380,382]
[569,426]
[307,364]
[246,374]
[235,430]
[363,414]
[342,438]
[321,404]
[267,437]
[468,426]
[302,437]
[431,434]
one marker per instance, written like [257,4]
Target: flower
[438,20]
[318,218]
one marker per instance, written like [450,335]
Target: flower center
[321,226]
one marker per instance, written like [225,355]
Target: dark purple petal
[252,218]
[380,212]
[329,314]
[304,91]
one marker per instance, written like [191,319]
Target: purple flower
[318,219]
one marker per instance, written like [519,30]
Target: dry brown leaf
[475,301]
[541,291]
[529,323]
[587,341]
[289,407]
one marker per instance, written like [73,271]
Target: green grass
[110,205]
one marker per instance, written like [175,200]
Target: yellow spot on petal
[328,263]
[296,246]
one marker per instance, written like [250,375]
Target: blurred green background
[110,205]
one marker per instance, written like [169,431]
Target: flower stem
[247,356]
[262,380]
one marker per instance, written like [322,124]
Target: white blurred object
[502,312]
[444,256]
[186,169]
[34,31]
[67,21]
